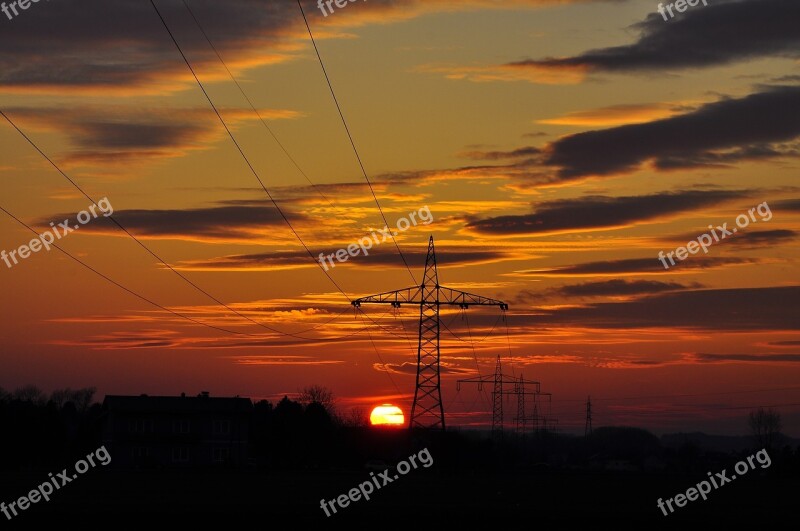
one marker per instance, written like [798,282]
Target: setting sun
[387,415]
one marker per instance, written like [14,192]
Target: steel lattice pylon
[427,410]
[497,402]
[427,404]
[521,388]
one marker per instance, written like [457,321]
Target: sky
[559,147]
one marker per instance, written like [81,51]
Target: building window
[140,426]
[221,455]
[140,452]
[222,427]
[180,426]
[180,455]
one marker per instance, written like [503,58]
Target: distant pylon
[497,409]
[588,430]
[500,381]
[521,427]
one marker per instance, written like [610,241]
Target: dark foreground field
[532,498]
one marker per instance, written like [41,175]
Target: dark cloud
[792,205]
[785,343]
[724,131]
[723,159]
[618,287]
[763,238]
[126,135]
[498,155]
[636,265]
[71,45]
[123,341]
[721,309]
[411,368]
[120,135]
[218,222]
[721,33]
[743,238]
[96,43]
[749,358]
[376,258]
[595,212]
[537,134]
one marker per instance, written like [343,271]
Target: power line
[687,395]
[247,161]
[755,407]
[253,107]
[255,110]
[112,281]
[385,367]
[484,338]
[173,312]
[350,136]
[481,393]
[142,244]
[510,355]
[241,151]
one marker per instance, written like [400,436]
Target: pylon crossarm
[476,379]
[415,295]
[462,298]
[411,295]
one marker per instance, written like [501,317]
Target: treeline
[40,430]
[309,432]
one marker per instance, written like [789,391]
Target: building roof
[172,404]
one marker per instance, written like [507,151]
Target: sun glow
[387,415]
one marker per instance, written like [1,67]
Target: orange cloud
[563,75]
[616,115]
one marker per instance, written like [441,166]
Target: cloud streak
[719,34]
[717,133]
[633,265]
[601,212]
[233,223]
[735,309]
[618,287]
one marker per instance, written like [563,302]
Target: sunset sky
[559,145]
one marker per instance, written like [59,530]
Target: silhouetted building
[176,431]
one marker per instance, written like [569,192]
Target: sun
[387,415]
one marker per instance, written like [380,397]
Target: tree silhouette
[30,393]
[319,394]
[357,417]
[765,425]
[81,398]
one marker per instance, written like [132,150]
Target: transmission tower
[499,381]
[427,410]
[521,428]
[538,422]
[588,430]
[497,396]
